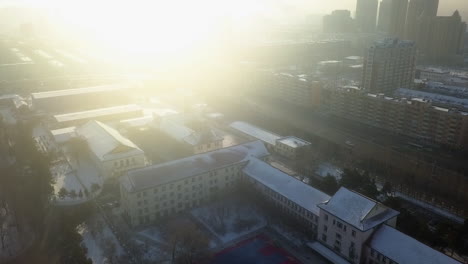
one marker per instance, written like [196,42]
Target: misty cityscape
[234,132]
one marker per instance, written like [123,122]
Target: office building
[446,42]
[339,21]
[392,17]
[389,65]
[419,17]
[366,15]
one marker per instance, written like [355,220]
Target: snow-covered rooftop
[62,135]
[435,97]
[357,210]
[404,249]
[68,92]
[256,132]
[105,142]
[300,193]
[150,176]
[182,133]
[96,113]
[137,122]
[294,142]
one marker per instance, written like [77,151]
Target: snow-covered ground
[325,169]
[229,220]
[99,240]
[72,175]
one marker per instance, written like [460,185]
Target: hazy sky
[446,7]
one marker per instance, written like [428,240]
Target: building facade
[415,117]
[366,15]
[112,153]
[392,17]
[150,193]
[339,21]
[292,147]
[447,38]
[389,64]
[418,21]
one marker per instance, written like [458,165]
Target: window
[325,228]
[353,233]
[338,236]
[326,217]
[334,222]
[324,237]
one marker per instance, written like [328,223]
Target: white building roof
[440,98]
[181,133]
[294,142]
[300,193]
[355,209]
[404,249]
[96,113]
[256,132]
[139,179]
[77,91]
[63,135]
[138,121]
[106,143]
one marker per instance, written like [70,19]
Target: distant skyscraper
[446,42]
[366,15]
[392,17]
[389,64]
[339,21]
[420,15]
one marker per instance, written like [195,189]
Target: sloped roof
[302,194]
[404,249]
[155,175]
[256,132]
[354,209]
[105,142]
[182,133]
[293,142]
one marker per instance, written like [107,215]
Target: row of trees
[27,189]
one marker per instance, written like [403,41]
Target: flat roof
[96,113]
[143,178]
[404,249]
[256,132]
[294,142]
[84,90]
[295,190]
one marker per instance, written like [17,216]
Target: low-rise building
[164,189]
[348,220]
[200,141]
[69,100]
[292,147]
[288,194]
[112,153]
[256,133]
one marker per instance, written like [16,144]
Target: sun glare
[153,27]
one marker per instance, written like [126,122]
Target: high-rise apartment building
[446,41]
[392,17]
[389,64]
[366,15]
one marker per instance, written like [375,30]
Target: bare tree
[186,243]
